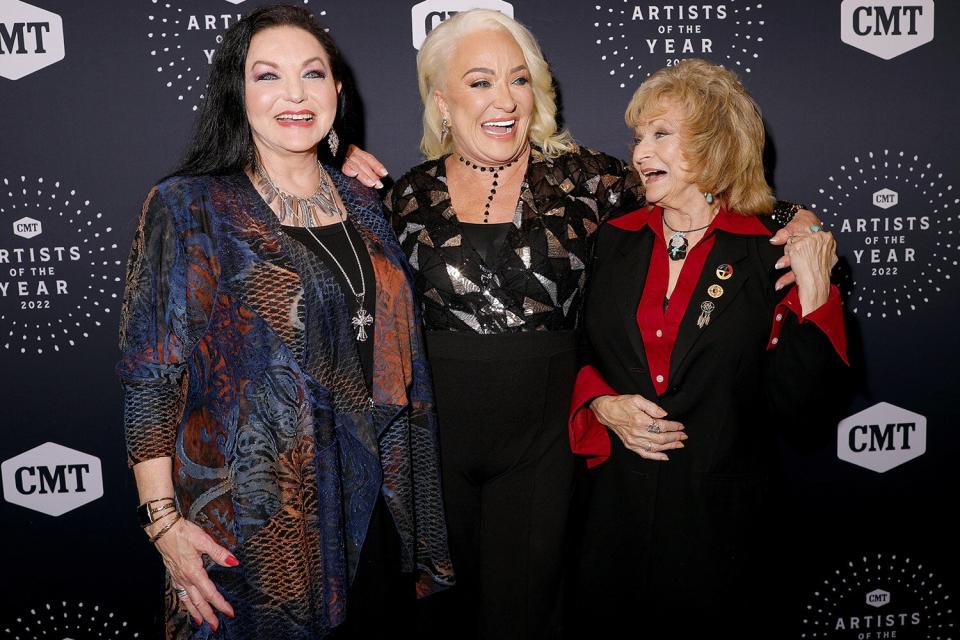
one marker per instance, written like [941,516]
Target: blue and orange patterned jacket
[238,361]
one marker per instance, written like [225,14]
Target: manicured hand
[364,167]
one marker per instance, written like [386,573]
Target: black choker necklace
[496,177]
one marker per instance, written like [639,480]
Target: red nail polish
[198,621]
[231,561]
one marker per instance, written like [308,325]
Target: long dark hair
[222,141]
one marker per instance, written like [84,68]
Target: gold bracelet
[166,528]
[146,512]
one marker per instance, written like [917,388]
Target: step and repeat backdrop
[96,102]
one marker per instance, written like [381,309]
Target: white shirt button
[779,317]
[659,378]
[775,341]
[659,333]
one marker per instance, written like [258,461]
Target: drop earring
[444,128]
[708,197]
[334,141]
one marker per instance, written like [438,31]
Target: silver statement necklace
[302,210]
[294,210]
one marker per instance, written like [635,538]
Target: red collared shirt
[659,327]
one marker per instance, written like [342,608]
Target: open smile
[295,118]
[499,128]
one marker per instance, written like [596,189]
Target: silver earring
[333,140]
[708,197]
[444,128]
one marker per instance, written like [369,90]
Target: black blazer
[692,526]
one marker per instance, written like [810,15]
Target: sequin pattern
[535,282]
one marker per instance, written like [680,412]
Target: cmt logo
[429,14]
[886,198]
[27,228]
[886,28]
[882,437]
[31,38]
[52,479]
[878,597]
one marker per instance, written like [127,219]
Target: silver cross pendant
[361,320]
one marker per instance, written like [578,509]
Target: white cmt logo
[31,38]
[886,28]
[52,479]
[59,267]
[896,222]
[882,437]
[637,38]
[427,15]
[27,228]
[878,597]
[885,198]
[184,36]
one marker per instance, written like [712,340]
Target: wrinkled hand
[631,417]
[364,167]
[182,548]
[799,225]
[812,256]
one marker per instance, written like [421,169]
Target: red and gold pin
[725,271]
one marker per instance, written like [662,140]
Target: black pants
[507,479]
[380,601]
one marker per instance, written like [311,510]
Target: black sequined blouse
[535,282]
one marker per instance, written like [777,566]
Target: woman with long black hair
[278,409]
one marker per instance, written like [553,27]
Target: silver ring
[654,427]
[650,447]
[183,593]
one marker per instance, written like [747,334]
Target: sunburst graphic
[637,39]
[67,621]
[892,596]
[183,36]
[902,255]
[65,281]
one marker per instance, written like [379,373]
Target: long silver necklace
[324,199]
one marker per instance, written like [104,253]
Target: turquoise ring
[814,228]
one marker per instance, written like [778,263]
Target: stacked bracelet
[166,527]
[148,514]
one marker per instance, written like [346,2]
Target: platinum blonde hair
[437,50]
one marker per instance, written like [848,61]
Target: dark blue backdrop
[868,141]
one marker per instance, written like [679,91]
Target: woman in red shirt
[695,360]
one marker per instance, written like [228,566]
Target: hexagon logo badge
[885,198]
[430,13]
[27,228]
[886,28]
[52,479]
[878,597]
[882,437]
[31,38]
